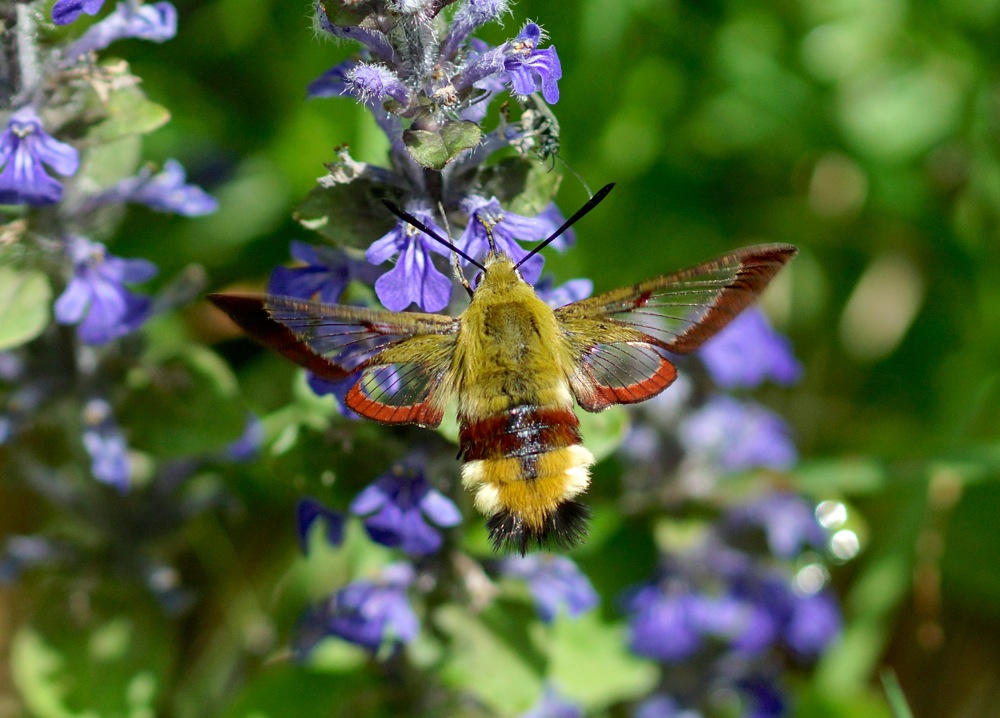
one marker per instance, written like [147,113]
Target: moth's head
[499,272]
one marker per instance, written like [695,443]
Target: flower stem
[27,47]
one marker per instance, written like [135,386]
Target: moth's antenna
[456,268]
[489,236]
[591,203]
[411,220]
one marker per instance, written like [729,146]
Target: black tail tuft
[564,528]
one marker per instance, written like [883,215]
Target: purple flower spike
[748,352]
[531,69]
[788,521]
[738,436]
[25,149]
[508,229]
[66,11]
[324,277]
[333,82]
[414,279]
[763,698]
[471,15]
[554,582]
[815,622]
[106,445]
[400,508]
[96,297]
[367,613]
[660,623]
[308,512]
[373,83]
[157,23]
[167,192]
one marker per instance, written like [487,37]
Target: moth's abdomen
[525,466]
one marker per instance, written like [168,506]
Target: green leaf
[523,186]
[974,543]
[25,296]
[187,403]
[109,664]
[894,693]
[289,691]
[434,150]
[107,164]
[492,657]
[604,432]
[341,13]
[811,702]
[825,477]
[128,112]
[894,114]
[348,215]
[426,148]
[460,136]
[596,684]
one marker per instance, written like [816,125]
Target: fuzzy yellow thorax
[510,350]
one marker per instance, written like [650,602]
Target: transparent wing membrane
[680,311]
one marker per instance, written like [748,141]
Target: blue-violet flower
[572,291]
[96,297]
[738,435]
[323,276]
[166,191]
[487,216]
[157,23]
[414,279]
[25,148]
[554,582]
[247,447]
[104,441]
[308,512]
[531,69]
[367,613]
[748,352]
[333,82]
[399,509]
[372,83]
[787,520]
[67,11]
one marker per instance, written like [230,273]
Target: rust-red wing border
[594,394]
[423,413]
[756,271]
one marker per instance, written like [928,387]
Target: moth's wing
[400,358]
[621,340]
[619,372]
[408,382]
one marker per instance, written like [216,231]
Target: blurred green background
[866,132]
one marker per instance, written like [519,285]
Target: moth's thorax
[510,350]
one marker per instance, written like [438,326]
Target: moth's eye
[477,279]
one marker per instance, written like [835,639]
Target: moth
[515,366]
